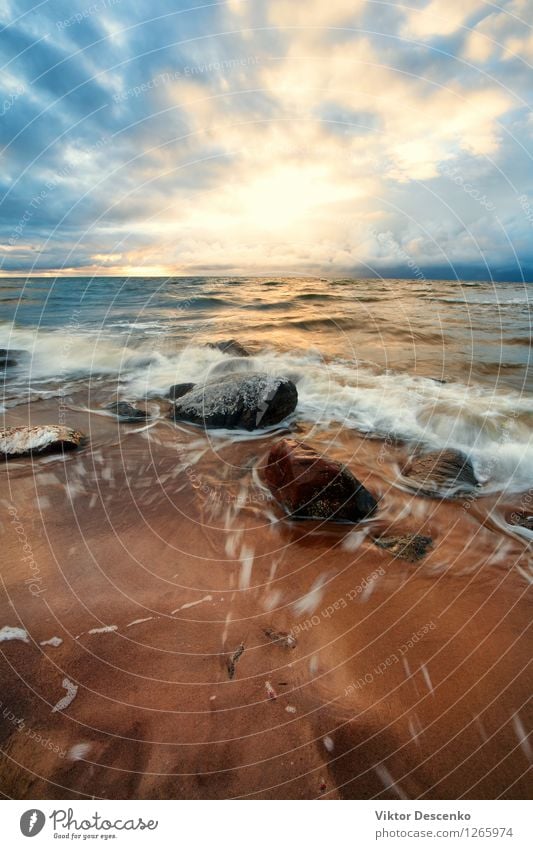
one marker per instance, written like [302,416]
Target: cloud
[441,17]
[258,136]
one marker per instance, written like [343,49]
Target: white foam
[107,629]
[491,426]
[72,690]
[9,633]
[53,641]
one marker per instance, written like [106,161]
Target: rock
[410,547]
[233,659]
[11,357]
[179,389]
[521,518]
[313,487]
[126,412]
[441,472]
[20,441]
[230,346]
[238,401]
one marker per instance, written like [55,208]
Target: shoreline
[151,584]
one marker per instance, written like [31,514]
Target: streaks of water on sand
[72,690]
[328,743]
[310,601]
[247,561]
[138,621]
[272,599]
[388,781]
[415,728]
[79,751]
[193,603]
[9,633]
[107,629]
[522,736]
[427,679]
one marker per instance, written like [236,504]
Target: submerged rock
[126,412]
[20,441]
[179,389]
[441,472]
[238,401]
[11,357]
[230,346]
[410,547]
[313,487]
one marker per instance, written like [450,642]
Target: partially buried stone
[126,412]
[410,547]
[310,486]
[39,439]
[246,401]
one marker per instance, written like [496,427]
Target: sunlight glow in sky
[331,137]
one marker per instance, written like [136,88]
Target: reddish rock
[310,486]
[441,473]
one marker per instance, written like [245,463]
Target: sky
[328,137]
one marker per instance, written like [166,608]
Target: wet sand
[408,680]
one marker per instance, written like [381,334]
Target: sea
[432,363]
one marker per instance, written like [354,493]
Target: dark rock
[125,412]
[410,547]
[313,487]
[521,518]
[39,439]
[230,346]
[179,389]
[238,401]
[441,472]
[233,659]
[11,357]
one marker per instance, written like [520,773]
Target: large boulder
[310,486]
[21,441]
[238,401]
[230,346]
[441,473]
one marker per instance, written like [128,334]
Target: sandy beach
[156,555]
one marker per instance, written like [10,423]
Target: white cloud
[440,17]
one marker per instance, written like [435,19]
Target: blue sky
[330,137]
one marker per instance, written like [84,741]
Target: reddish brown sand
[122,531]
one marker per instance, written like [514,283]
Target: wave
[491,427]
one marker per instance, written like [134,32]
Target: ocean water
[433,363]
